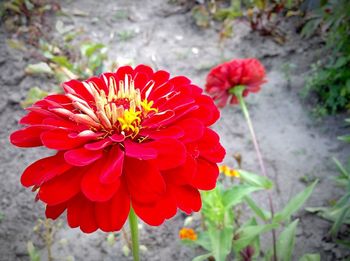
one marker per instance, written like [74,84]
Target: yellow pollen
[130,121]
[147,106]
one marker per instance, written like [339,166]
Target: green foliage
[250,232]
[33,252]
[330,77]
[339,213]
[33,95]
[72,63]
[286,241]
[255,180]
[224,236]
[310,257]
[345,138]
[294,204]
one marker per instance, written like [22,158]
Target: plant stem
[48,238]
[134,234]
[238,92]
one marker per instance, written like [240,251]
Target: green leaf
[236,194]
[344,243]
[221,241]
[203,240]
[345,138]
[342,217]
[331,214]
[341,169]
[34,94]
[255,180]
[249,233]
[88,49]
[261,213]
[285,243]
[62,61]
[33,252]
[202,257]
[38,68]
[294,204]
[310,257]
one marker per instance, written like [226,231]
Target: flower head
[222,79]
[187,233]
[132,138]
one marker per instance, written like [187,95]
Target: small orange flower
[228,171]
[187,233]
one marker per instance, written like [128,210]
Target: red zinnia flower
[224,77]
[131,138]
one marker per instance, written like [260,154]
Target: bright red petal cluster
[132,138]
[248,72]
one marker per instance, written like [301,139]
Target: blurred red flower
[224,77]
[132,138]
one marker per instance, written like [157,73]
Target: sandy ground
[293,143]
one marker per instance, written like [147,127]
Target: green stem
[134,234]
[238,92]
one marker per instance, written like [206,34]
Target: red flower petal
[82,157]
[155,214]
[58,190]
[117,137]
[28,137]
[171,153]
[144,181]
[210,148]
[44,169]
[182,175]
[113,165]
[98,145]
[81,213]
[32,118]
[98,81]
[169,132]
[158,119]
[206,175]
[55,211]
[93,188]
[207,111]
[187,198]
[77,88]
[160,91]
[111,215]
[62,123]
[139,150]
[160,77]
[61,139]
[124,70]
[192,128]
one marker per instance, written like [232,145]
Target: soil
[293,143]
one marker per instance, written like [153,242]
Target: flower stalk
[238,92]
[134,235]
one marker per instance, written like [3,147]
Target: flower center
[120,110]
